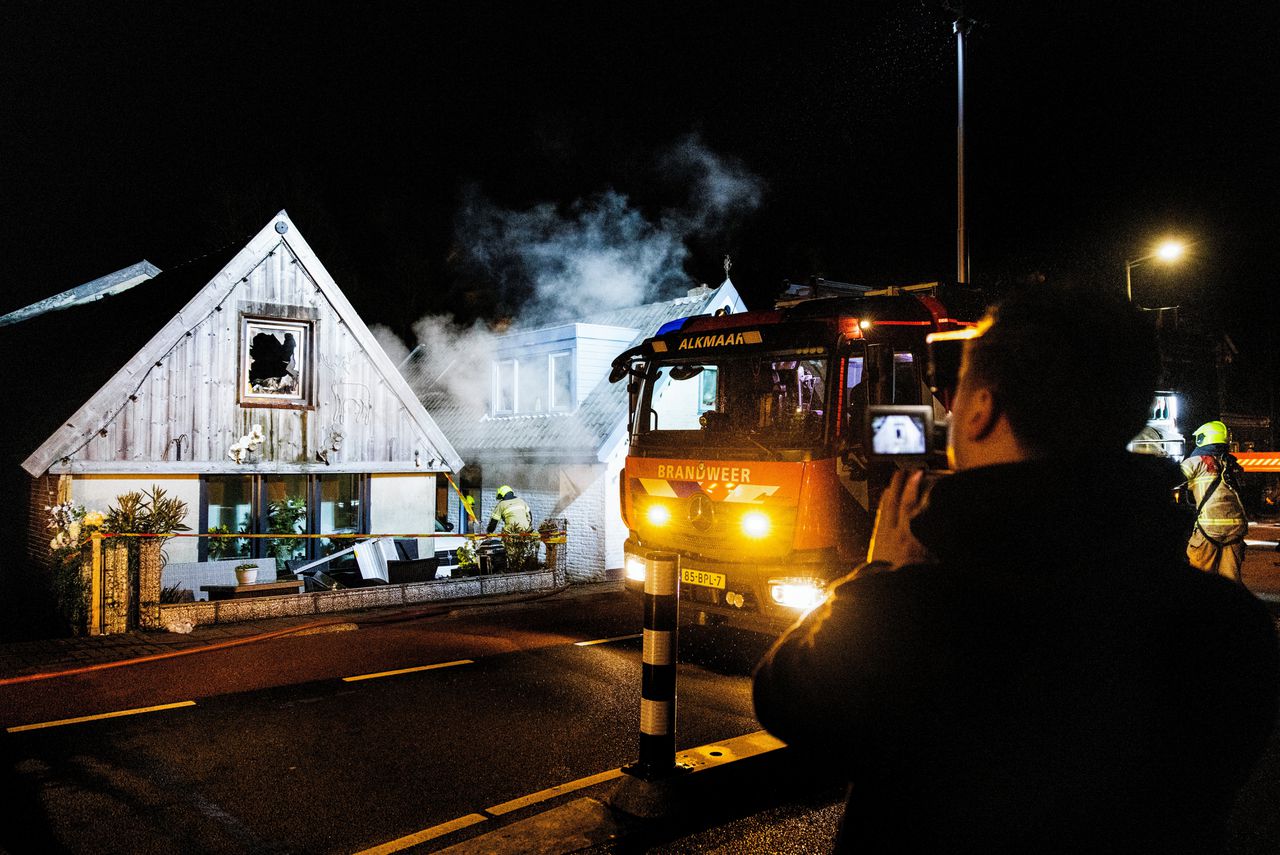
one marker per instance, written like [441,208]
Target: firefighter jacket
[1221,517]
[512,514]
[1055,679]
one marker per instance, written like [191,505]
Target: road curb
[724,779]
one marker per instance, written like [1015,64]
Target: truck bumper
[745,600]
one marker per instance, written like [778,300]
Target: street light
[1168,252]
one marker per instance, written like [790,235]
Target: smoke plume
[552,263]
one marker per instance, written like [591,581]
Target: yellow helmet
[1210,433]
[504,491]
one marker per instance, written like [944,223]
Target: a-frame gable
[181,386]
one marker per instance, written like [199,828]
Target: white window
[504,386]
[561,380]
[533,392]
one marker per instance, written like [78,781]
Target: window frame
[305,334]
[259,510]
[551,382]
[497,386]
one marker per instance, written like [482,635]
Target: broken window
[274,362]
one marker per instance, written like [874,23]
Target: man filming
[1027,663]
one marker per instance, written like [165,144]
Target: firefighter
[511,512]
[1217,542]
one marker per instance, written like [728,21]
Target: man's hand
[892,540]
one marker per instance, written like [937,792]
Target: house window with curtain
[561,380]
[504,386]
[534,393]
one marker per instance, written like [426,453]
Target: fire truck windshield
[773,401]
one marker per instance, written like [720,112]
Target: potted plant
[288,516]
[246,574]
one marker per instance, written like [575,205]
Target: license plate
[702,577]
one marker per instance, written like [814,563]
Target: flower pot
[247,576]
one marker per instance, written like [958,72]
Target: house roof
[580,433]
[82,352]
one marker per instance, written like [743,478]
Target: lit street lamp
[1168,252]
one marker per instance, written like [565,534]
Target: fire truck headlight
[633,566]
[802,594]
[755,524]
[658,514]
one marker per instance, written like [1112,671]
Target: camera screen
[898,433]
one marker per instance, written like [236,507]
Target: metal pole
[1128,279]
[658,681]
[960,27]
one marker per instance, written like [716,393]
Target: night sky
[1094,129]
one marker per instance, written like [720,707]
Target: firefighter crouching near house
[1217,542]
[511,512]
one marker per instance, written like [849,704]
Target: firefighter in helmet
[511,512]
[1211,472]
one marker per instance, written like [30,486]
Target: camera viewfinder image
[897,434]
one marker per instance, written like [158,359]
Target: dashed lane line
[606,640]
[84,718]
[408,670]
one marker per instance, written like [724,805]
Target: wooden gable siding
[192,394]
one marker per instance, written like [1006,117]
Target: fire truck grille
[716,529]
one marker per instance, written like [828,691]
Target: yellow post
[95,585]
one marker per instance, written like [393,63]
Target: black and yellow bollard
[658,680]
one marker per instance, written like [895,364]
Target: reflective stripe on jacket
[1222,517]
[514,514]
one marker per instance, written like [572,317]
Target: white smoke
[552,263]
[546,265]
[549,263]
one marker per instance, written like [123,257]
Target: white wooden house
[149,377]
[553,427]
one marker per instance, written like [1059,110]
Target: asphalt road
[274,751]
[278,753]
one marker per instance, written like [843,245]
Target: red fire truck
[746,443]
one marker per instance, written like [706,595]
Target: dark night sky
[1094,128]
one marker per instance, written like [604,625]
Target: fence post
[94,616]
[116,589]
[149,570]
[658,679]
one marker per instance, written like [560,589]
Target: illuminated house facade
[243,383]
[553,427]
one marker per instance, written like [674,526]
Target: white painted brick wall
[585,514]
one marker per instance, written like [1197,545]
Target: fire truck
[747,453]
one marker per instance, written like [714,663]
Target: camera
[905,436]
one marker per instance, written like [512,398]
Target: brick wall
[43,492]
[586,528]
